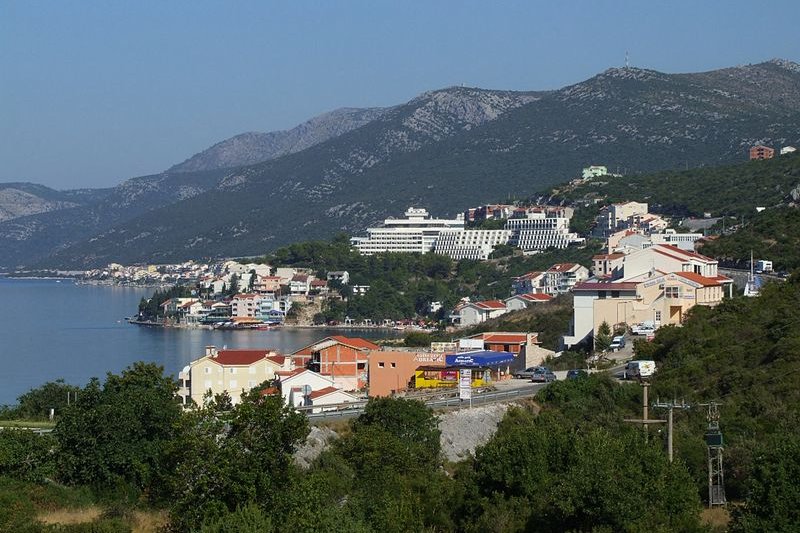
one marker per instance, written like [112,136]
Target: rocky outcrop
[254,147]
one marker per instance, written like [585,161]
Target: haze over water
[51,329]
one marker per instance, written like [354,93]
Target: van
[617,343]
[638,369]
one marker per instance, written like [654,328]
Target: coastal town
[648,274]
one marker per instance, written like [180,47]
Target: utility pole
[670,407]
[645,420]
[714,445]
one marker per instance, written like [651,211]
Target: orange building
[344,359]
[761,152]
[393,371]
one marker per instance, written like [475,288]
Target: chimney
[211,351]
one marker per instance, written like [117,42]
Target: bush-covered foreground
[570,464]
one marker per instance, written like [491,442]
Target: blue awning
[479,358]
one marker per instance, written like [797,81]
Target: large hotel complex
[530,229]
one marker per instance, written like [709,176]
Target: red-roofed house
[528,283]
[657,297]
[342,358]
[234,371]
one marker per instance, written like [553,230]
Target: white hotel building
[529,230]
[417,233]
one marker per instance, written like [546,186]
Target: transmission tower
[714,444]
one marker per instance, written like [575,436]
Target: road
[521,389]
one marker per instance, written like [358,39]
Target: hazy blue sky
[94,92]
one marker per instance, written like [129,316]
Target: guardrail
[354,409]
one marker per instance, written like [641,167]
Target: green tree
[116,432]
[227,460]
[773,497]
[26,456]
[603,338]
[36,403]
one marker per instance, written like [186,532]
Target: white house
[562,277]
[303,387]
[523,301]
[471,313]
[329,398]
[342,276]
[528,283]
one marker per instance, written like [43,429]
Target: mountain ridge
[450,148]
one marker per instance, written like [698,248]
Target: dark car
[542,374]
[577,374]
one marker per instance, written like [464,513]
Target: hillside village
[647,275]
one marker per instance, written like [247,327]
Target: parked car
[645,328]
[577,374]
[527,373]
[638,369]
[543,375]
[617,343]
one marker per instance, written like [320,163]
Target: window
[380,365]
[615,294]
[601,295]
[233,384]
[252,370]
[394,365]
[658,316]
[672,292]
[233,370]
[207,370]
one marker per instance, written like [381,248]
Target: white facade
[417,233]
[594,171]
[298,384]
[684,241]
[540,231]
[475,244]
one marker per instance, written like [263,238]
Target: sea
[56,329]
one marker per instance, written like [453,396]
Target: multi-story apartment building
[761,152]
[342,358]
[562,277]
[232,371]
[657,284]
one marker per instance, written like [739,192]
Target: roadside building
[245,305]
[393,371]
[344,359]
[231,371]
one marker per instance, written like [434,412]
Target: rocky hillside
[455,147]
[25,199]
[254,147]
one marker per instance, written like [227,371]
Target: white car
[645,328]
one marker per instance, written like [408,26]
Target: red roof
[355,342]
[491,304]
[700,280]
[606,286]
[322,392]
[277,359]
[240,357]
[536,297]
[505,338]
[286,374]
[561,267]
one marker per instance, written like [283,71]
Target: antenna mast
[627,64]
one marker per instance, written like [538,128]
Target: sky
[96,92]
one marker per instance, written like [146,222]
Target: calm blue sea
[53,329]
